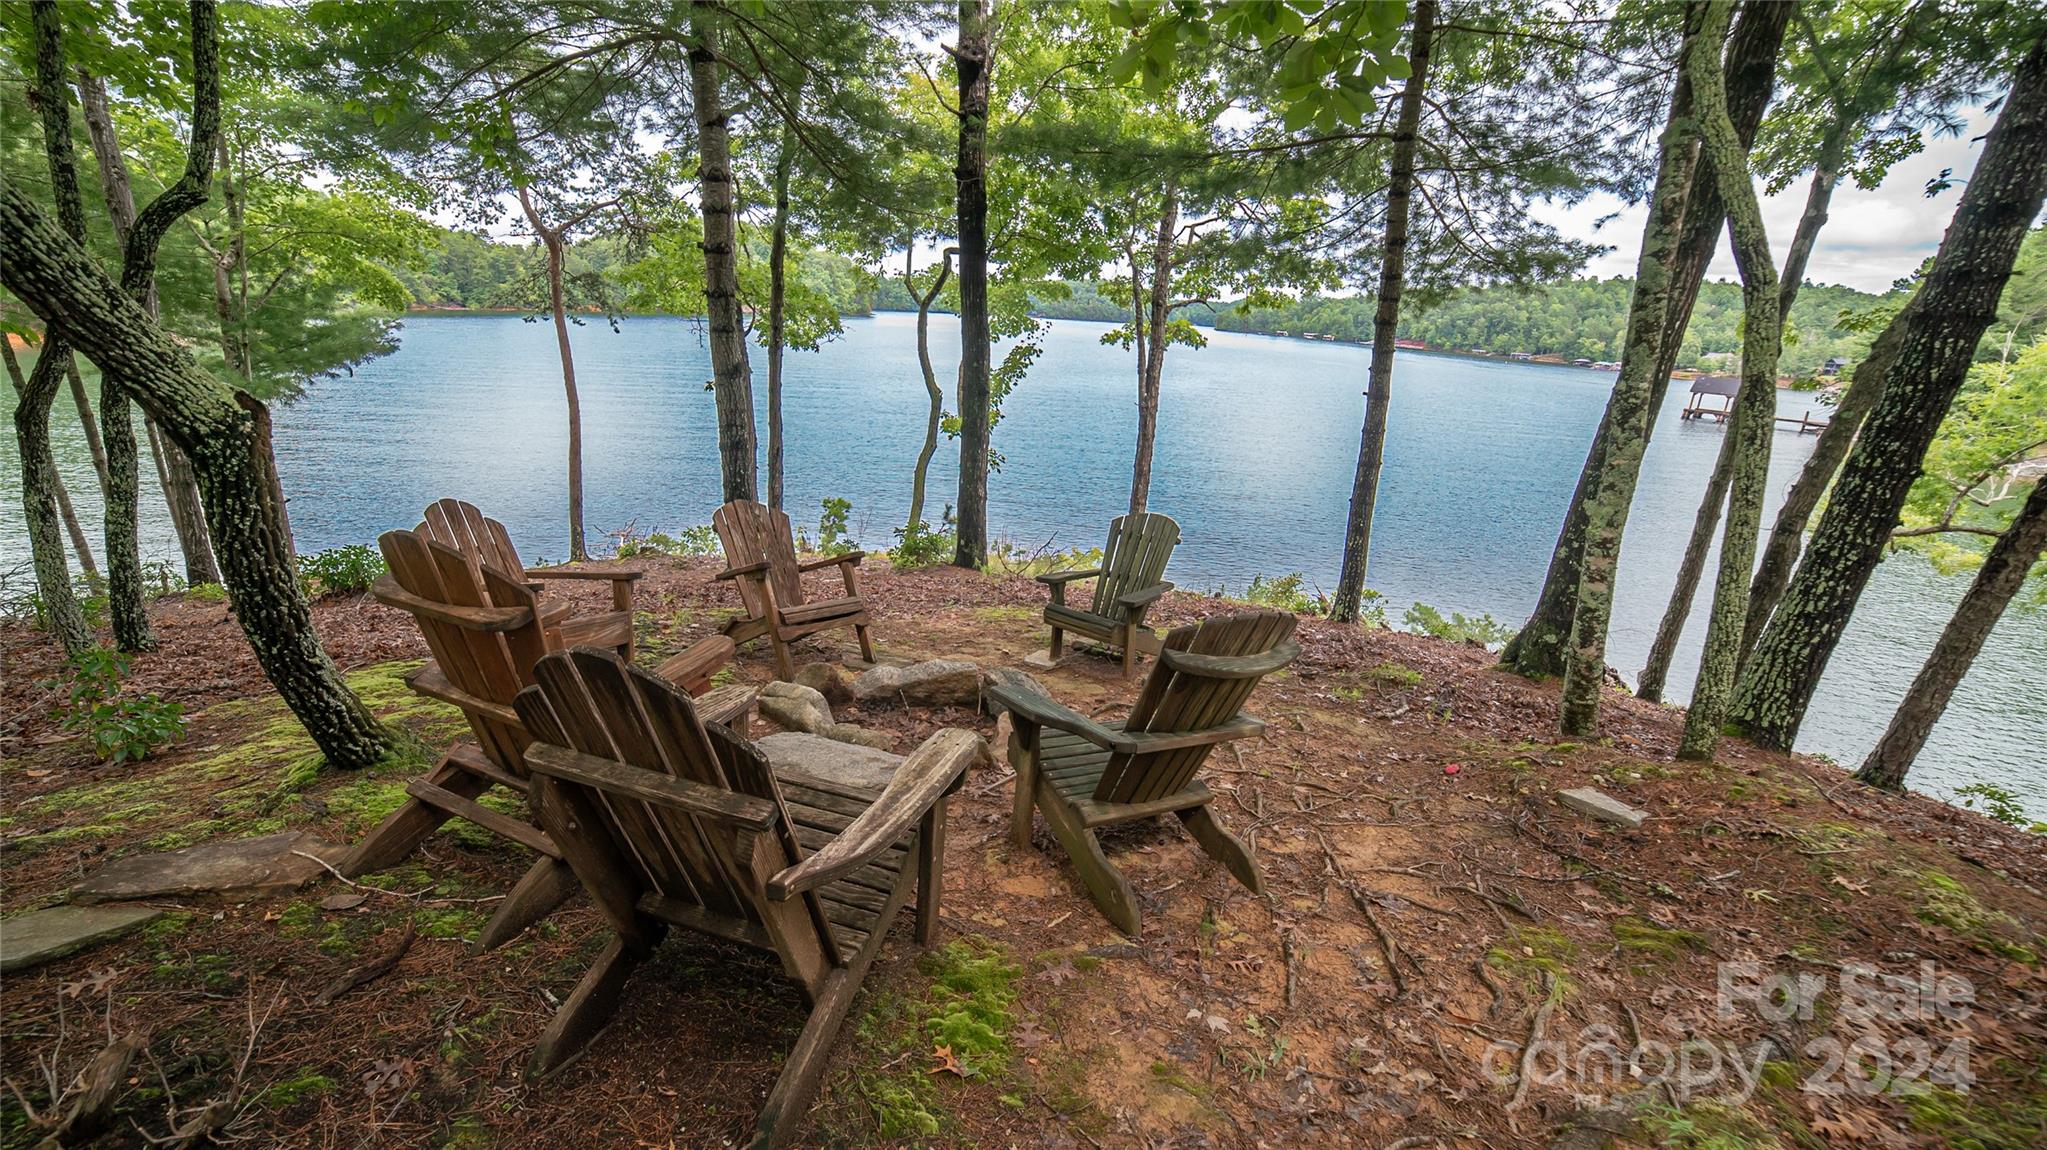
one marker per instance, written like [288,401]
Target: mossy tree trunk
[973,57]
[2003,571]
[39,478]
[65,286]
[1754,422]
[80,545]
[731,374]
[1541,647]
[1364,491]
[1938,335]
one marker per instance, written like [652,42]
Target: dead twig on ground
[369,971]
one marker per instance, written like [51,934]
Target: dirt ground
[1425,936]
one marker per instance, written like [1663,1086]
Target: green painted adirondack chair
[1126,584]
[671,821]
[760,557]
[1084,775]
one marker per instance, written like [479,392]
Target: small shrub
[1998,803]
[206,593]
[122,728]
[1287,593]
[1422,619]
[1006,558]
[341,570]
[688,543]
[920,546]
[833,536]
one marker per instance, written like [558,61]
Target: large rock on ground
[859,736]
[795,707]
[932,683]
[238,868]
[827,759]
[1012,678]
[827,679]
[32,939]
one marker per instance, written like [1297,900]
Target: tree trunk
[1754,422]
[1826,175]
[174,471]
[59,281]
[80,545]
[87,421]
[1151,353]
[778,258]
[1938,335]
[1704,526]
[557,307]
[1364,489]
[974,61]
[1540,648]
[936,394]
[39,479]
[731,375]
[2003,571]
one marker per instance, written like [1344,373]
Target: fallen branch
[1535,1032]
[369,971]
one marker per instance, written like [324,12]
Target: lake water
[1258,438]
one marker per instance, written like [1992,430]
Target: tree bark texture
[974,61]
[557,307]
[80,545]
[1625,426]
[1939,333]
[65,286]
[1151,352]
[731,375]
[1754,422]
[778,284]
[2003,571]
[1364,490]
[935,394]
[39,478]
[1540,649]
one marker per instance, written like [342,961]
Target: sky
[1871,239]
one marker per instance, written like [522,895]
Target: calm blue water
[1258,438]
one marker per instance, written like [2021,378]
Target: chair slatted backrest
[490,665]
[1134,558]
[590,701]
[481,539]
[1176,700]
[755,533]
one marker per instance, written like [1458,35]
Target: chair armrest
[749,569]
[1144,598]
[1035,708]
[387,591]
[695,665]
[615,575]
[1232,666]
[831,561]
[922,780]
[1145,742]
[688,796]
[1051,578]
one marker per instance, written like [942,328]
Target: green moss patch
[1943,901]
[1646,938]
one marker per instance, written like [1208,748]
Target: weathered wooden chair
[1126,584]
[669,821]
[486,630]
[483,541]
[760,557]
[1086,775]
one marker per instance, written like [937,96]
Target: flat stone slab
[238,868]
[1602,806]
[932,683]
[1042,660]
[40,936]
[829,759]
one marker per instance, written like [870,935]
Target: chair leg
[1105,884]
[866,644]
[1023,755]
[404,829]
[1222,846]
[930,869]
[590,1005]
[1129,651]
[785,668]
[1058,643]
[542,888]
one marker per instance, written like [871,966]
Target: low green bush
[688,543]
[122,728]
[1422,619]
[341,570]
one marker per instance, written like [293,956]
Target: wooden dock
[1713,396]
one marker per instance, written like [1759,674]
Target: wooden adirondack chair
[672,822]
[760,557]
[1086,775]
[1126,584]
[483,541]
[486,630]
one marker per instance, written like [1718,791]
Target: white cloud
[1871,239]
